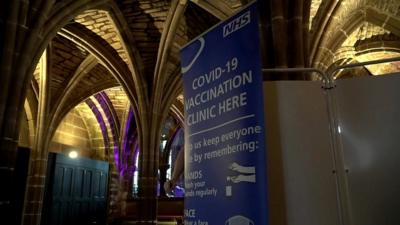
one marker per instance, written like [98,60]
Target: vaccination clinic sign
[225,162]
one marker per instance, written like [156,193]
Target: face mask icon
[239,220]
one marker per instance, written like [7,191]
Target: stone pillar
[35,190]
[284,36]
[39,156]
[8,139]
[7,163]
[147,197]
[163,178]
[114,192]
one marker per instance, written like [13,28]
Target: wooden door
[76,192]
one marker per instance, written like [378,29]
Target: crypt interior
[102,78]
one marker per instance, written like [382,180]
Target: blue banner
[225,152]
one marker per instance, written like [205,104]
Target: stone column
[163,178]
[39,155]
[147,191]
[8,154]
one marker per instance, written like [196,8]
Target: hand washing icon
[239,220]
[242,169]
[242,178]
[248,173]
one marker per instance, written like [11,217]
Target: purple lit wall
[101,122]
[108,108]
[113,122]
[129,145]
[176,146]
[124,156]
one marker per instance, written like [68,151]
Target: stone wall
[71,134]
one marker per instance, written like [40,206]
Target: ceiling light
[73,154]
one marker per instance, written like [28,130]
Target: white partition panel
[369,120]
[302,186]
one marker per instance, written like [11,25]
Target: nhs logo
[237,23]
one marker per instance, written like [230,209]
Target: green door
[76,191]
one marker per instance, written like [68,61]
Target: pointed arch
[334,37]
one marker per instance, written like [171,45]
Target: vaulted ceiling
[355,31]
[102,50]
